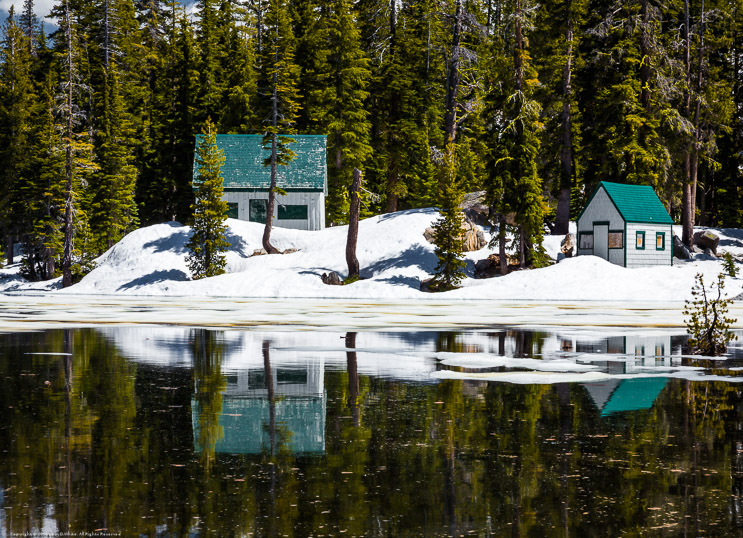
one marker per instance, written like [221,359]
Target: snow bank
[394,258]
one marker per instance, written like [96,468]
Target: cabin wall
[601,209]
[315,202]
[651,254]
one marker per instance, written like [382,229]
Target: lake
[191,431]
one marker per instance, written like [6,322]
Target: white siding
[601,209]
[315,202]
[650,255]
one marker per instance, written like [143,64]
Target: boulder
[259,252]
[289,251]
[679,249]
[567,245]
[706,240]
[696,250]
[473,237]
[487,267]
[331,279]
[474,208]
[710,252]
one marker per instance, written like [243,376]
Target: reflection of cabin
[618,395]
[299,400]
[629,354]
[247,181]
[626,225]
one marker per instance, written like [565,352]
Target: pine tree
[448,236]
[514,182]
[17,100]
[279,78]
[339,106]
[77,144]
[208,243]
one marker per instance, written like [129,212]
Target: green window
[257,210]
[660,241]
[640,241]
[232,211]
[292,212]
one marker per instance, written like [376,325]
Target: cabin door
[601,240]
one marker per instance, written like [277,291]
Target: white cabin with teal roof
[626,225]
[247,181]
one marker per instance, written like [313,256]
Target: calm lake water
[178,431]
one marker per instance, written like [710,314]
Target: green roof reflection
[300,425]
[616,396]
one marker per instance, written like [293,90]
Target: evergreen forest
[535,102]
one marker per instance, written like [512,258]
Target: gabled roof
[635,203]
[243,167]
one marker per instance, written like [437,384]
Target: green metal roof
[636,203]
[244,155]
[634,394]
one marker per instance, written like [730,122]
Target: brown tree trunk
[697,114]
[562,218]
[267,246]
[68,235]
[353,225]
[453,77]
[502,244]
[11,246]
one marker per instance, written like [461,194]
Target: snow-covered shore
[394,259]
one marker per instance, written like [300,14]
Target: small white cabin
[247,181]
[626,225]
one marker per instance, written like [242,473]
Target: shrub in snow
[707,325]
[728,264]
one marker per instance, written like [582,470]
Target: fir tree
[448,236]
[340,106]
[208,244]
[17,100]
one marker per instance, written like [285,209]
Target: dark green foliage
[208,244]
[707,324]
[448,236]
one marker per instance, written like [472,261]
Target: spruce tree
[448,236]
[17,101]
[339,106]
[208,244]
[279,74]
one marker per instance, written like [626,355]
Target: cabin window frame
[621,242]
[662,237]
[640,240]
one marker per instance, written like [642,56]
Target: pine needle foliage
[448,236]
[208,244]
[728,265]
[707,324]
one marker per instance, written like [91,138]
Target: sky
[42,7]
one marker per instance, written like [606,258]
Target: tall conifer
[208,244]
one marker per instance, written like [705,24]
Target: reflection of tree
[209,384]
[353,378]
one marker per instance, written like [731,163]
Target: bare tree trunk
[562,218]
[453,77]
[68,235]
[687,211]
[11,246]
[697,114]
[502,244]
[353,226]
[267,246]
[522,247]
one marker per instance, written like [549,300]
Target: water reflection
[191,432]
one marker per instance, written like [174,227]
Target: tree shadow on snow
[416,256]
[238,244]
[153,278]
[173,243]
